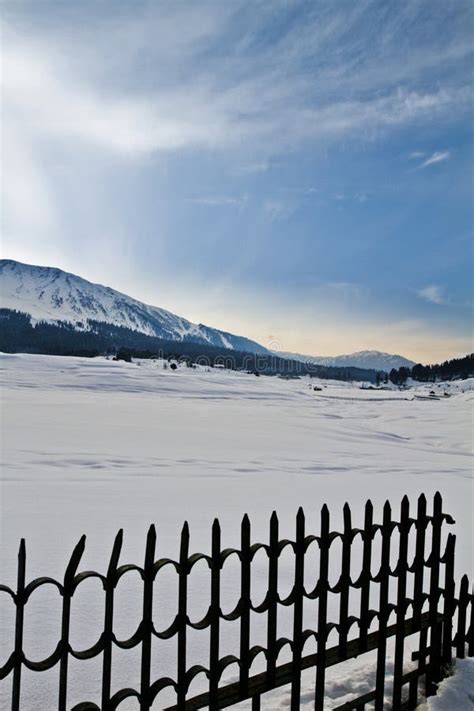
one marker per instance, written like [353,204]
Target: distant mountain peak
[371,360]
[51,294]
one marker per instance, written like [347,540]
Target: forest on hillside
[19,335]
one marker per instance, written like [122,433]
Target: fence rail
[442,620]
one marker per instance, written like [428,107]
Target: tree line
[18,334]
[449,370]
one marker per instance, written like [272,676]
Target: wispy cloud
[429,159]
[436,157]
[304,192]
[47,103]
[217,201]
[252,168]
[433,294]
[159,85]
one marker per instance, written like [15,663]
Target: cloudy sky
[296,172]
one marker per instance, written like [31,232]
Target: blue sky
[297,172]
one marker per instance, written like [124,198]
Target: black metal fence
[440,619]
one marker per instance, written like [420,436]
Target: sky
[297,172]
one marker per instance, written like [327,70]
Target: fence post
[298,611]
[19,620]
[367,535]
[110,583]
[433,675]
[448,611]
[272,598]
[324,544]
[470,632]
[401,603]
[462,613]
[147,621]
[215,616]
[419,563]
[68,591]
[182,616]
[383,607]
[245,560]
[344,580]
[418,594]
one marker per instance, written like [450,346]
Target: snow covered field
[90,446]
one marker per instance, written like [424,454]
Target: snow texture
[90,446]
[456,692]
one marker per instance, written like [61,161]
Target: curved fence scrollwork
[441,618]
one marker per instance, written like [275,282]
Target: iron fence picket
[433,673]
[419,561]
[323,584]
[383,606]
[19,623]
[215,616]
[401,603]
[182,685]
[367,536]
[448,611]
[462,615]
[110,583]
[245,563]
[298,591]
[256,703]
[470,633]
[67,593]
[418,592]
[344,580]
[147,619]
[272,598]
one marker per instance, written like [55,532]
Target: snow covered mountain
[372,360]
[50,294]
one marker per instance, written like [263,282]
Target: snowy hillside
[372,360]
[51,294]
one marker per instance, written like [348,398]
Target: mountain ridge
[372,360]
[52,294]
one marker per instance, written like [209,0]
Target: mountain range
[372,360]
[53,295]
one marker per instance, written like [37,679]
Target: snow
[91,446]
[225,341]
[50,294]
[454,692]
